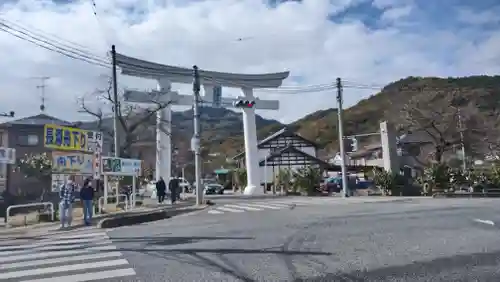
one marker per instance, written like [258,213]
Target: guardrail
[44,204]
[467,195]
[100,202]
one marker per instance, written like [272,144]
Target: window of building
[28,140]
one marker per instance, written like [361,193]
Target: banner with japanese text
[72,163]
[65,138]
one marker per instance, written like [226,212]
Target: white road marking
[489,222]
[60,260]
[50,248]
[62,268]
[63,257]
[229,209]
[273,204]
[215,212]
[79,236]
[51,242]
[264,206]
[244,207]
[88,276]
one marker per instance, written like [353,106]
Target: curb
[19,230]
[149,216]
[466,195]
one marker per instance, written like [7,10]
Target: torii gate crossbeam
[165,75]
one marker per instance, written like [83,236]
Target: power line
[43,34]
[99,23]
[81,53]
[54,48]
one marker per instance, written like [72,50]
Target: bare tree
[446,118]
[488,141]
[136,122]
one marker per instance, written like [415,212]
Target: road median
[146,216]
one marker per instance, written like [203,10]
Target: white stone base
[252,190]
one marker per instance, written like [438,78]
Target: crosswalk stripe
[51,248]
[51,242]
[244,207]
[215,212]
[60,260]
[229,209]
[71,267]
[273,204]
[264,206]
[42,255]
[88,276]
[65,256]
[78,236]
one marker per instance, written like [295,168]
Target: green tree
[283,179]
[385,181]
[438,177]
[39,167]
[307,179]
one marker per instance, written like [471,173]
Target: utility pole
[42,87]
[116,103]
[341,138]
[195,141]
[464,161]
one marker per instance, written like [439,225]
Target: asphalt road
[420,240]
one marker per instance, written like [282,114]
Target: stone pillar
[208,93]
[389,147]
[251,151]
[163,138]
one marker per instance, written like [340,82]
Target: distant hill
[365,116]
[218,125]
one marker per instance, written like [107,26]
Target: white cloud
[468,16]
[295,36]
[396,13]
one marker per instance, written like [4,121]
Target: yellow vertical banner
[65,138]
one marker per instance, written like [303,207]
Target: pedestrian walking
[87,197]
[161,188]
[173,186]
[66,195]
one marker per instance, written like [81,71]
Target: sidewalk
[148,206]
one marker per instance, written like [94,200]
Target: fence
[100,202]
[44,204]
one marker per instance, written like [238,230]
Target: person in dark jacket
[86,197]
[161,188]
[173,186]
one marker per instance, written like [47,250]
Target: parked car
[213,188]
[332,185]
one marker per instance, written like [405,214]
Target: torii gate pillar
[163,138]
[251,152]
[165,74]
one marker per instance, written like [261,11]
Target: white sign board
[7,155]
[95,145]
[120,166]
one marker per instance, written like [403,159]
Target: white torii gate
[166,75]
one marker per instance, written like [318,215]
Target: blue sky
[369,42]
